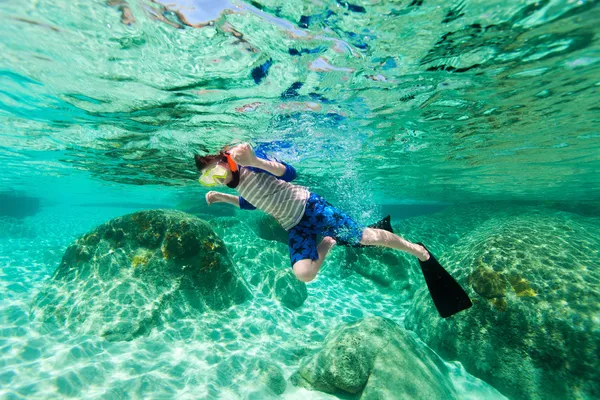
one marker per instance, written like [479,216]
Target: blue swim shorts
[321,219]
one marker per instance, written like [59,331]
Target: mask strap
[235,179]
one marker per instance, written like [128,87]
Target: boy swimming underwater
[265,184]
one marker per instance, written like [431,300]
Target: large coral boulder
[534,329]
[137,271]
[377,359]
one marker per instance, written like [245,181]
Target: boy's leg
[379,237]
[348,232]
[306,269]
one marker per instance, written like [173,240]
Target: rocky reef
[532,274]
[533,330]
[132,273]
[375,359]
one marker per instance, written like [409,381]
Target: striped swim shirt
[283,200]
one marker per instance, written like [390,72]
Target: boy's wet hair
[203,161]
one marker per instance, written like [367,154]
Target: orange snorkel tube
[235,173]
[232,165]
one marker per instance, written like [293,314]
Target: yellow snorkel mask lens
[211,176]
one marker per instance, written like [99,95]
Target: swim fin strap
[448,296]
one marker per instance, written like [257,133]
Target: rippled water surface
[398,107]
[478,99]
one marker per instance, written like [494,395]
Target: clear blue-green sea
[474,124]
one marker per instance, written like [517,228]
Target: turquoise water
[472,123]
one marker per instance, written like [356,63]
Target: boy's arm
[276,168]
[238,201]
[244,155]
[216,197]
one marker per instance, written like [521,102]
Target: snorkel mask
[216,175]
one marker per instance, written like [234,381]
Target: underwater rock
[271,375]
[382,266]
[137,271]
[265,264]
[268,228]
[377,357]
[270,272]
[18,204]
[266,378]
[532,332]
[285,287]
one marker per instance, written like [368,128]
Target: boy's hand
[243,155]
[212,197]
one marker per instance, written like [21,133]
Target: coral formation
[533,330]
[133,272]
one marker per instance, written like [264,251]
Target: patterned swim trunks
[321,219]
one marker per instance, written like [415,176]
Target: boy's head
[215,169]
[203,162]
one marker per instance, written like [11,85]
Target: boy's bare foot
[425,255]
[326,244]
